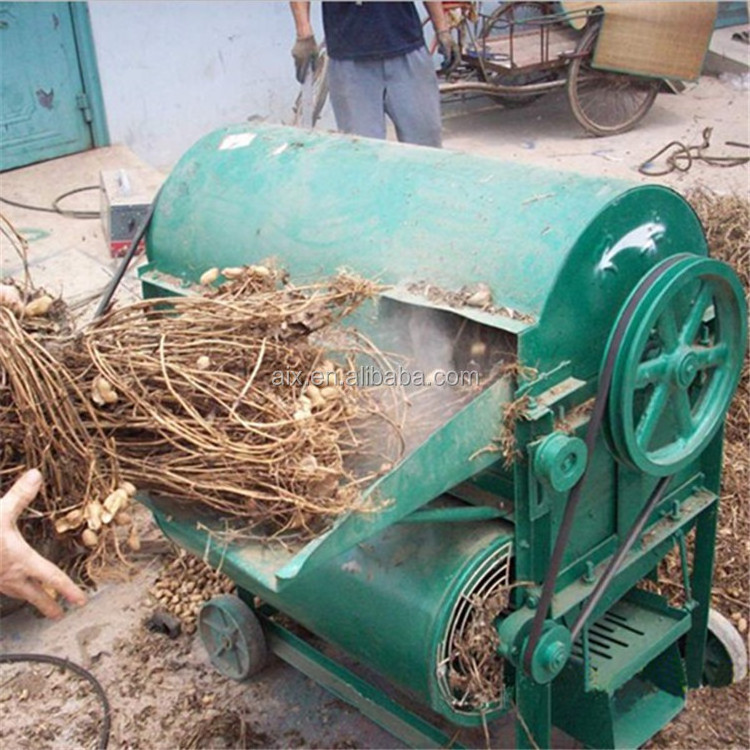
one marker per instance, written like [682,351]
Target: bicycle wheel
[320,90]
[605,103]
[498,28]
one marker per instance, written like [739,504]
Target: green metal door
[46,58]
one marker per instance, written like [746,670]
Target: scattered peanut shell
[123,519]
[313,393]
[134,541]
[38,306]
[10,297]
[330,392]
[89,538]
[112,504]
[129,487]
[61,526]
[308,464]
[73,518]
[232,273]
[203,362]
[478,349]
[93,515]
[481,298]
[208,277]
[102,391]
[260,270]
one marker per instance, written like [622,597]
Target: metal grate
[488,579]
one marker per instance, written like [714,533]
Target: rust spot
[45,98]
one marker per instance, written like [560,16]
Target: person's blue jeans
[405,88]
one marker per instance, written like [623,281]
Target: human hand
[305,54]
[22,570]
[448,48]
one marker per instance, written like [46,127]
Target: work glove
[448,48]
[305,54]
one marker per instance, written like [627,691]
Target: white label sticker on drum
[236,140]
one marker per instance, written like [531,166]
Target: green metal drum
[398,603]
[582,271]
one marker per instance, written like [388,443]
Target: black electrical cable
[81,672]
[55,208]
[128,257]
[74,214]
[597,416]
[123,267]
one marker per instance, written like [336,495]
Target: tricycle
[523,50]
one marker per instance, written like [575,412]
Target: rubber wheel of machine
[677,366]
[605,103]
[725,661]
[498,24]
[233,637]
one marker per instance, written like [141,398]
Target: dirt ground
[165,694]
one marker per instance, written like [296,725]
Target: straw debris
[205,398]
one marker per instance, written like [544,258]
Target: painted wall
[172,71]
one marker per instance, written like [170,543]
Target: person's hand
[305,54]
[22,570]
[448,48]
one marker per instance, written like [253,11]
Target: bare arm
[446,43]
[437,16]
[301,13]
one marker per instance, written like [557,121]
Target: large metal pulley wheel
[677,364]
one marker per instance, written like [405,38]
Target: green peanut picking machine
[628,342]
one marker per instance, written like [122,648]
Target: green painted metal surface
[676,374]
[450,455]
[562,253]
[387,602]
[401,214]
[342,682]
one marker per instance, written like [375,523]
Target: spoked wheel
[605,103]
[677,365]
[725,660]
[233,637]
[511,16]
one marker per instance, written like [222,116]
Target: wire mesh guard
[469,668]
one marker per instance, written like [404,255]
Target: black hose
[55,208]
[123,267]
[81,672]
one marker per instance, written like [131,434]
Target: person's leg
[357,89]
[412,99]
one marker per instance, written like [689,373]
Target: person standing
[378,66]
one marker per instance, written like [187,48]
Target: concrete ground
[69,257]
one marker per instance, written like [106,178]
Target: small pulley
[676,365]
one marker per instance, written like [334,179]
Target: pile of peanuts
[185,584]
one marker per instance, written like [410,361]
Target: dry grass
[726,220]
[183,398]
